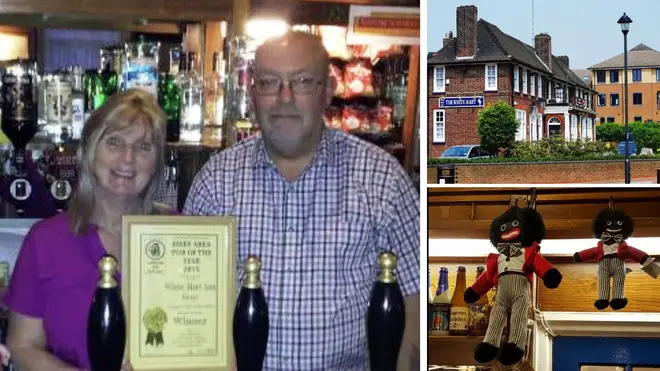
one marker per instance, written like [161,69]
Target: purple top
[54,279]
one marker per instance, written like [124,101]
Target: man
[317,206]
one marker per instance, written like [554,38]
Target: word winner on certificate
[179,295]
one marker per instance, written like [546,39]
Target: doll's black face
[510,231]
[517,225]
[612,226]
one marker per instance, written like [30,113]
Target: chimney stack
[466,30]
[449,37]
[564,60]
[543,47]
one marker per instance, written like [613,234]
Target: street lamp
[625,22]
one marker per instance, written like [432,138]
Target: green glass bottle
[99,86]
[169,98]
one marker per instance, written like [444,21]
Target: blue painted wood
[569,353]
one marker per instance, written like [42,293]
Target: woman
[121,158]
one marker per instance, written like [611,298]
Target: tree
[497,127]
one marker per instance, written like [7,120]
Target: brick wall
[461,123]
[550,173]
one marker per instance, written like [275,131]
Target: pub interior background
[565,331]
[194,55]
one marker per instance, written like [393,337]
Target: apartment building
[643,86]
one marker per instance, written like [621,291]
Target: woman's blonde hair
[120,111]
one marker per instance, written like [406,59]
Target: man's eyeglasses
[298,85]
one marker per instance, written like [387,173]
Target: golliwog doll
[613,228]
[516,234]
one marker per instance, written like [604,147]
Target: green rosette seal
[154,320]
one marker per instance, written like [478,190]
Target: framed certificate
[178,288]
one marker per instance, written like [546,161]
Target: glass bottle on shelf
[192,93]
[238,112]
[479,312]
[214,105]
[113,58]
[398,94]
[459,313]
[141,67]
[99,86]
[42,106]
[19,123]
[77,102]
[169,99]
[442,305]
[58,108]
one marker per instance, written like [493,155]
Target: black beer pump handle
[251,319]
[106,323]
[385,317]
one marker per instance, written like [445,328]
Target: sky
[584,30]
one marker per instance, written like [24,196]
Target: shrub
[497,127]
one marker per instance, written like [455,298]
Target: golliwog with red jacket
[613,228]
[516,234]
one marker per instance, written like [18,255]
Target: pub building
[195,57]
[562,329]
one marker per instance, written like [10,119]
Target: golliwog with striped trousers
[319,239]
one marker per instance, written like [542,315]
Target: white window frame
[436,137]
[439,88]
[524,81]
[583,128]
[489,87]
[540,86]
[532,85]
[521,116]
[574,128]
[553,121]
[534,132]
[549,89]
[516,79]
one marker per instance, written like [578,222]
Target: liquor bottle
[240,52]
[441,305]
[385,317]
[141,66]
[399,93]
[214,105]
[58,108]
[77,102]
[250,330]
[19,123]
[479,311]
[169,98]
[459,313]
[99,86]
[192,92]
[106,322]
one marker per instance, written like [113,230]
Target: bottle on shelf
[77,102]
[479,312]
[192,90]
[459,313]
[441,305]
[212,134]
[169,98]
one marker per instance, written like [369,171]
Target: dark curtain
[64,48]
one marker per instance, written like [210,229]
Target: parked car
[465,151]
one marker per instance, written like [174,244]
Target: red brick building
[482,65]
